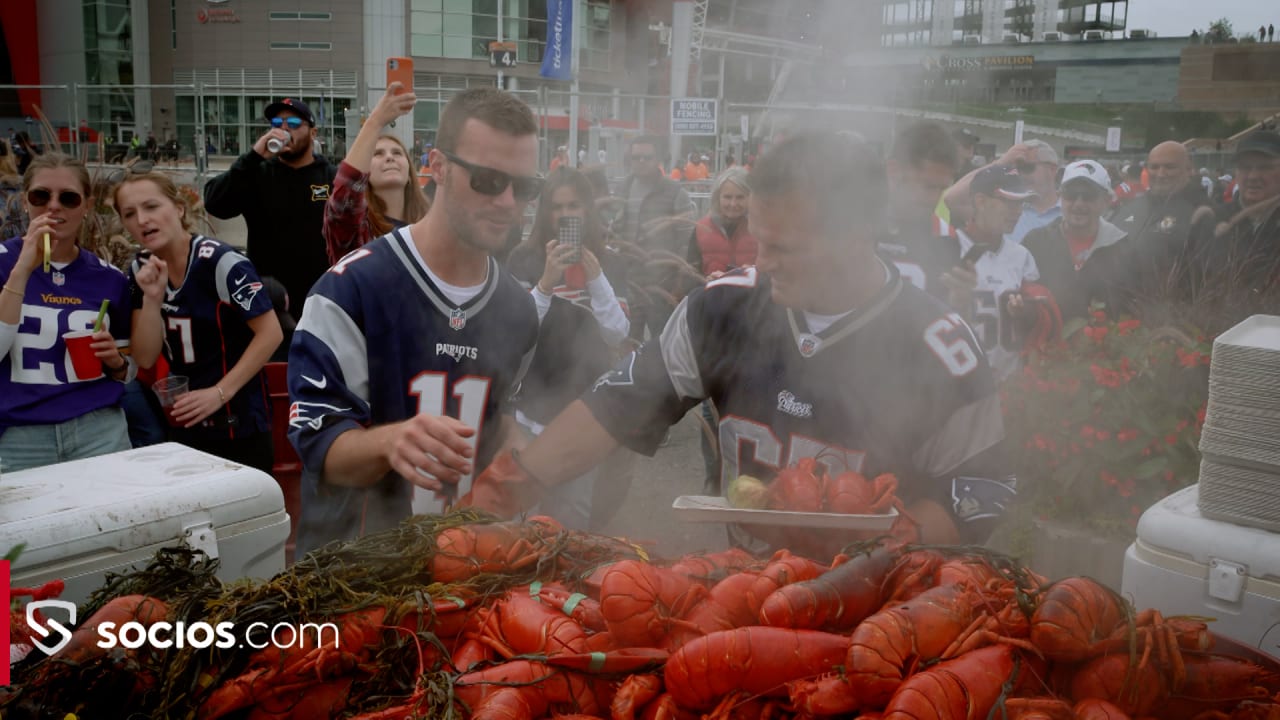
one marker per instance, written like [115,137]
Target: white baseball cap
[1087,170]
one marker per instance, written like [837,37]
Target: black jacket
[572,352]
[1100,277]
[1165,233]
[283,208]
[1244,254]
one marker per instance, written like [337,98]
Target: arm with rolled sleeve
[607,310]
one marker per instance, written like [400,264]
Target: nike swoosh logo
[320,384]
[242,279]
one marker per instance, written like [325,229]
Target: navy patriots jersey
[898,386]
[921,260]
[378,343]
[206,330]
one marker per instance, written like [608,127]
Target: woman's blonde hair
[8,161]
[415,202]
[167,187]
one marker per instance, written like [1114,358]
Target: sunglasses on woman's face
[39,197]
[293,122]
[488,181]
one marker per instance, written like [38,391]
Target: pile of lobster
[899,633]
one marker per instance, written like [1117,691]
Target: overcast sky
[1179,17]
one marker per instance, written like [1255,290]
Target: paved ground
[646,515]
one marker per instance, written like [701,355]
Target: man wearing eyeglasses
[1244,252]
[409,346]
[655,206]
[280,187]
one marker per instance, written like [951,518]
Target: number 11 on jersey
[472,394]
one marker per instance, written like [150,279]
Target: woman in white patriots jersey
[50,413]
[202,304]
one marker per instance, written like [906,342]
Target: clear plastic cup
[169,390]
[86,365]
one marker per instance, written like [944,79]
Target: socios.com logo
[46,626]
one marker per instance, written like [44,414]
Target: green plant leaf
[14,552]
[1151,467]
[1073,326]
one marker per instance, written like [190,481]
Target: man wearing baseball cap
[280,187]
[1044,208]
[1246,246]
[986,281]
[1079,254]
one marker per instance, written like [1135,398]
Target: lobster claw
[504,488]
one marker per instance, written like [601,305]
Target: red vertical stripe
[4,618]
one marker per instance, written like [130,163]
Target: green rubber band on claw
[572,603]
[597,661]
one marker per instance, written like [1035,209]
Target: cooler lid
[127,500]
[1176,526]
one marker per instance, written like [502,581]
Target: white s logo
[34,623]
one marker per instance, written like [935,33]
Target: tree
[1220,30]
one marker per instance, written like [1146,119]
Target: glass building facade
[463,29]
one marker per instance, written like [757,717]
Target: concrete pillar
[386,33]
[142,69]
[681,39]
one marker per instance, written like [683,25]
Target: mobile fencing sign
[694,116]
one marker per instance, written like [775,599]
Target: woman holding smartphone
[202,304]
[376,190]
[51,413]
[584,323]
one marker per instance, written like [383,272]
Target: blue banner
[557,63]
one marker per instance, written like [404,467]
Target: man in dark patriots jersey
[409,346]
[920,168]
[822,350]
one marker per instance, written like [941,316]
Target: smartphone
[570,233]
[400,69]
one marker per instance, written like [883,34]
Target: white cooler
[1185,564]
[81,519]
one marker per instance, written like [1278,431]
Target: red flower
[1099,315]
[1102,434]
[1086,431]
[1127,488]
[1105,377]
[1108,478]
[1124,327]
[1096,334]
[1126,435]
[1200,414]
[1191,359]
[1171,439]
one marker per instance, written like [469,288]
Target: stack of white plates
[1240,442]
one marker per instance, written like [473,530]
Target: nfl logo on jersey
[458,319]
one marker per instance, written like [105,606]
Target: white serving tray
[1259,332]
[716,509]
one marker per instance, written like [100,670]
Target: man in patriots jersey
[920,169]
[986,286]
[820,351]
[409,346]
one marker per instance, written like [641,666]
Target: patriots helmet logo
[244,294]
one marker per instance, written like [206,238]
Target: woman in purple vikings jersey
[52,413]
[202,304]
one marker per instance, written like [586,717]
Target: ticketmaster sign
[693,116]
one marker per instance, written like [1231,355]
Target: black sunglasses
[1081,194]
[488,181]
[293,122]
[40,197]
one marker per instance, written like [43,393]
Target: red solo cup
[87,366]
[168,390]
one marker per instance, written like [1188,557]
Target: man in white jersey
[986,287]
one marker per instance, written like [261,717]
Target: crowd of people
[846,306]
